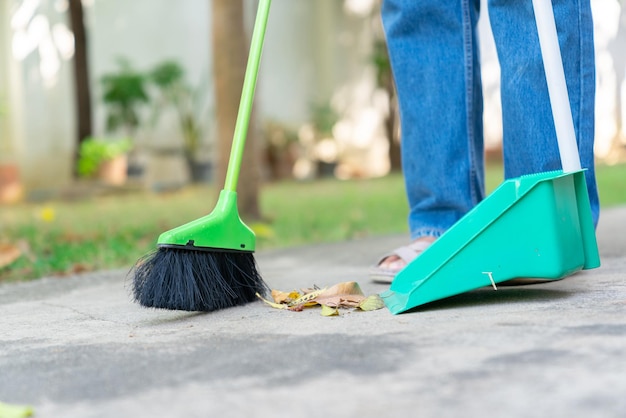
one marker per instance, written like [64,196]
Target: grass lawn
[60,238]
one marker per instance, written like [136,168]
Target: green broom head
[204,265]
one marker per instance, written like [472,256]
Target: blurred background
[141,78]
[116,120]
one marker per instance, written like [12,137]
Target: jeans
[434,55]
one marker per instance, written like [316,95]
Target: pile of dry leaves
[347,295]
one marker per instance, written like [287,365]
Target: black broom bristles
[196,280]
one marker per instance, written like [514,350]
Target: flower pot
[10,186]
[114,172]
[201,171]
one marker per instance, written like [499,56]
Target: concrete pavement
[77,347]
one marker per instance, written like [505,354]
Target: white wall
[311,49]
[40,127]
[147,32]
[6,144]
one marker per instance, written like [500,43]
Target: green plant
[168,75]
[124,92]
[169,79]
[324,117]
[94,151]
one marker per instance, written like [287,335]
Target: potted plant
[169,79]
[105,159]
[281,149]
[124,93]
[11,189]
[326,149]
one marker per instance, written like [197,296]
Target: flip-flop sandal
[407,254]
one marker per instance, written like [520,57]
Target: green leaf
[371,303]
[329,311]
[167,74]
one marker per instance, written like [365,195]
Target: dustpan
[533,226]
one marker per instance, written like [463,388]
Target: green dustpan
[534,226]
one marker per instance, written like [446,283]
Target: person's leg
[529,142]
[434,57]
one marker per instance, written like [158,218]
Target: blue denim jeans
[434,55]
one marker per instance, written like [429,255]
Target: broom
[208,264]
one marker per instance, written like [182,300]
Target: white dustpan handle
[555,75]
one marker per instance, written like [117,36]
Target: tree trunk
[392,127]
[230,55]
[81,77]
[392,121]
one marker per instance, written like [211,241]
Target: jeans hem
[427,232]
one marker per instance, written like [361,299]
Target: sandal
[407,254]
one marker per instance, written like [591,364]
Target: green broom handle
[247,96]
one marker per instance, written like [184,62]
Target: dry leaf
[25,249]
[272,304]
[371,303]
[284,297]
[307,299]
[79,268]
[8,254]
[347,295]
[15,411]
[329,311]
